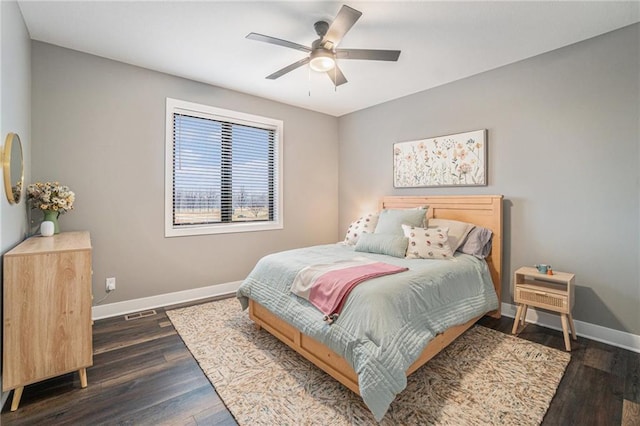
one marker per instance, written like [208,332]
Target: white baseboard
[167,299]
[606,335]
[610,336]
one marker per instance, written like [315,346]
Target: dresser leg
[17,394]
[567,342]
[573,329]
[83,377]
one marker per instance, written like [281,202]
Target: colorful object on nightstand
[542,268]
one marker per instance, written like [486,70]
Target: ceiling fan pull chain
[309,79]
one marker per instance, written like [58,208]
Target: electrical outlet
[111,284]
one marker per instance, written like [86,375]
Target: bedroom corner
[15,110]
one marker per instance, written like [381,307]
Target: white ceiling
[205,41]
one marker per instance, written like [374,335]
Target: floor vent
[139,315]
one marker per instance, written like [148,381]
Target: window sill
[222,228]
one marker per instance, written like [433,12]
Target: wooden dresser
[47,310]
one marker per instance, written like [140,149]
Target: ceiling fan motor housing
[321,28]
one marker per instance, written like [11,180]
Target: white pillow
[363,225]
[458,231]
[427,243]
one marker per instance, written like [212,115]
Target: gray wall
[15,113]
[563,150]
[99,127]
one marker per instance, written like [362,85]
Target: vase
[46,228]
[52,216]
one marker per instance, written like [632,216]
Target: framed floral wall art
[453,160]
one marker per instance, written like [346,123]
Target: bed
[345,357]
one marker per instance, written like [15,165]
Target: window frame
[220,114]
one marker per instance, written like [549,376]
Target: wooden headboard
[481,210]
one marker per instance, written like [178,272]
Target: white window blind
[224,170]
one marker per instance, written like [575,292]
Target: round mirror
[13,168]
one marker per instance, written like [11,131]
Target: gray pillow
[391,221]
[391,245]
[478,242]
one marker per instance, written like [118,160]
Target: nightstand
[552,292]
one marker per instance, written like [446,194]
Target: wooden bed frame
[482,210]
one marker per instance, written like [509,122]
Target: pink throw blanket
[327,286]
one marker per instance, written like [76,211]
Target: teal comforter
[386,322]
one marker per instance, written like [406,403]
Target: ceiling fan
[324,51]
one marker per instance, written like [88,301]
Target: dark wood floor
[601,385]
[144,375]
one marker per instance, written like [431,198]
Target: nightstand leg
[573,329]
[17,394]
[516,320]
[524,314]
[567,342]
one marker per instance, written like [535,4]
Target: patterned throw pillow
[428,243]
[363,225]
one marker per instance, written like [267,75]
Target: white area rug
[484,377]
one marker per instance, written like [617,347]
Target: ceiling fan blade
[345,19]
[368,54]
[288,68]
[336,76]
[279,42]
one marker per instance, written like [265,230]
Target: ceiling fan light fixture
[322,60]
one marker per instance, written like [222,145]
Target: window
[223,171]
